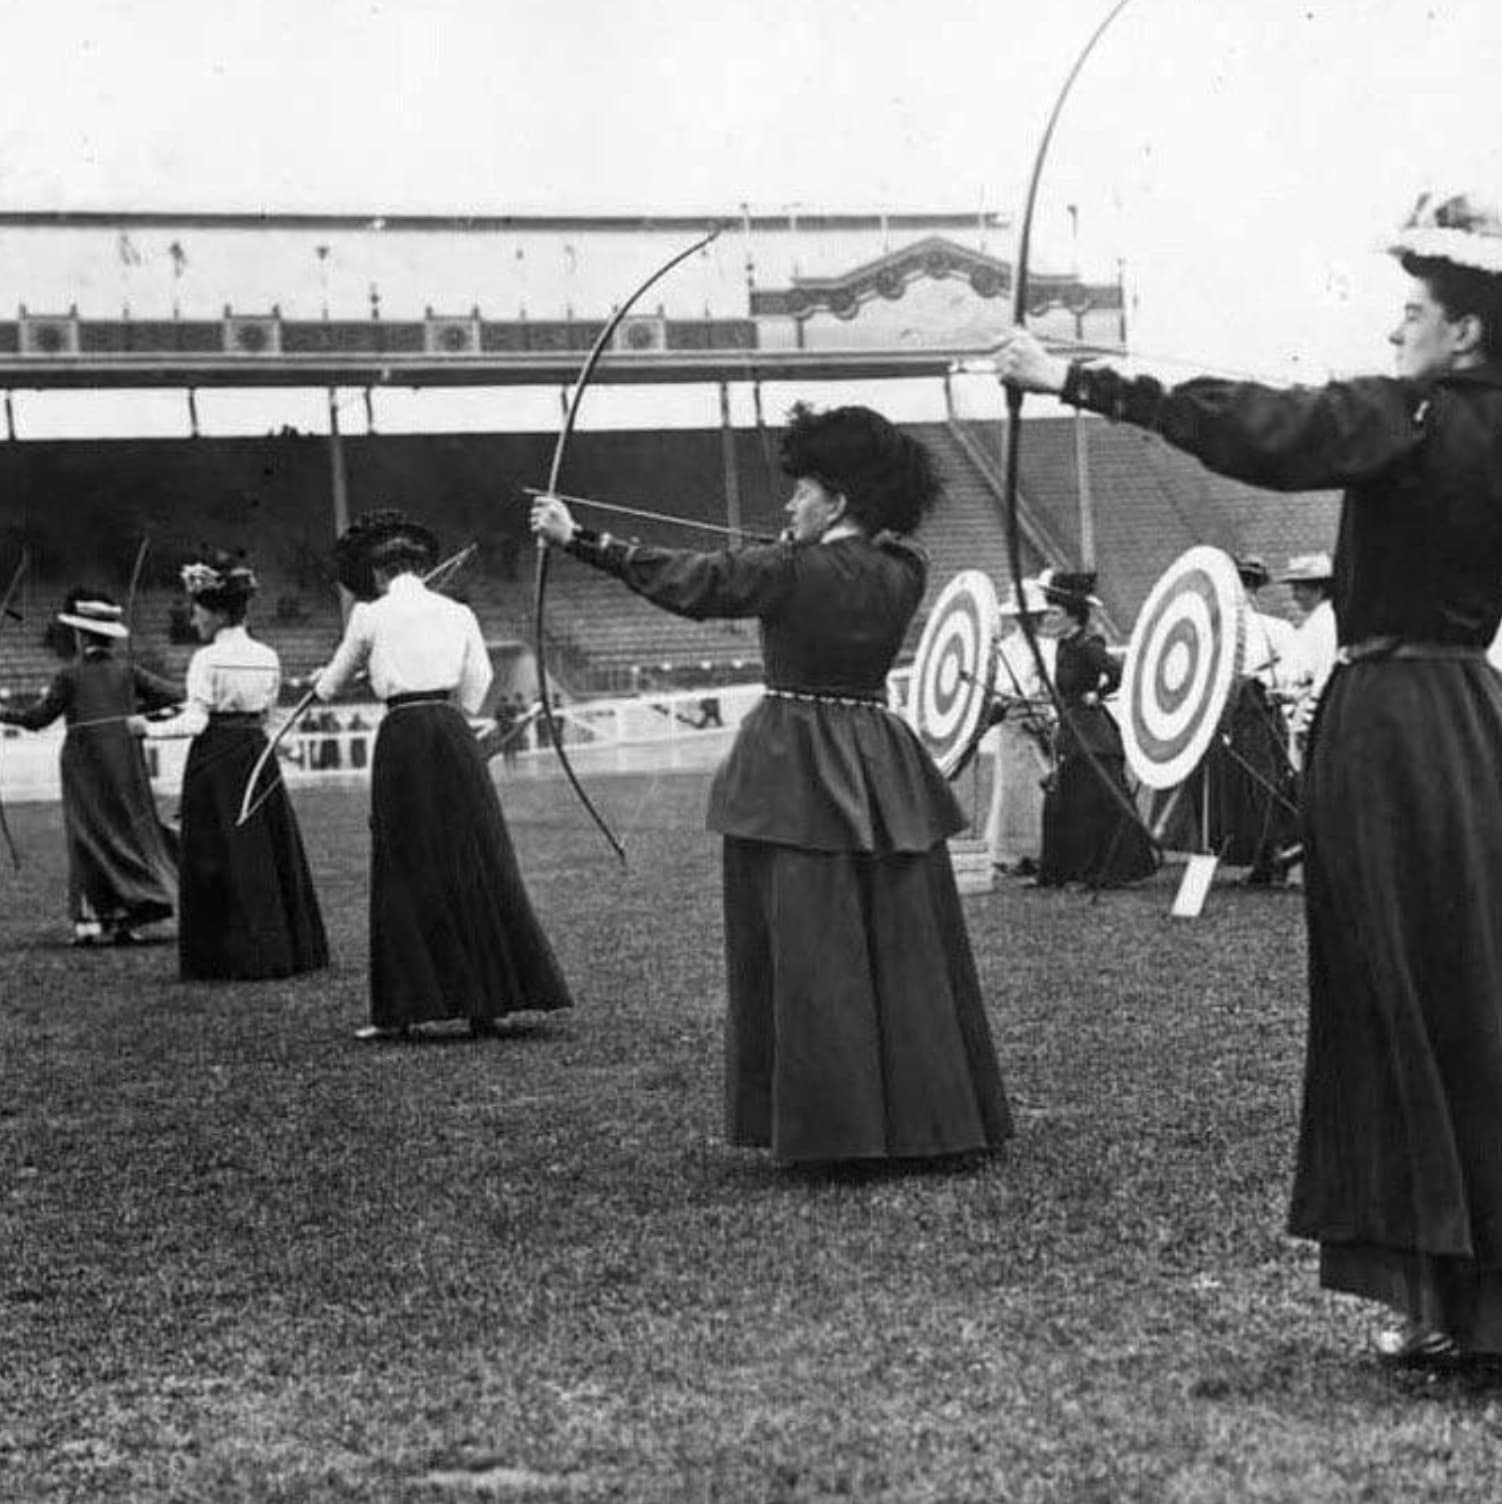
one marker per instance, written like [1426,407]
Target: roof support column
[732,468]
[338,481]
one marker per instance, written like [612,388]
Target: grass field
[243,1257]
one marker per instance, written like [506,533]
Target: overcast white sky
[1241,156]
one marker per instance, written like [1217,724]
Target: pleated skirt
[249,910]
[856,1029]
[452,930]
[1399,1172]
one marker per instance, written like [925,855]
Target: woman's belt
[419,697]
[1381,649]
[821,697]
[237,717]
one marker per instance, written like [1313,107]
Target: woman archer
[1398,1176]
[856,1029]
[453,934]
[249,910]
[122,871]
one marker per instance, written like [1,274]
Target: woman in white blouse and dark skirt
[248,908]
[452,931]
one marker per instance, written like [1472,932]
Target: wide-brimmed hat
[1460,228]
[1034,601]
[1069,587]
[385,532]
[1253,571]
[1308,569]
[102,618]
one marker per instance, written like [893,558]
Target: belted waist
[1379,649]
[419,697]
[867,701]
[237,717]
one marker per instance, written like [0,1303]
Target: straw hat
[101,618]
[1308,569]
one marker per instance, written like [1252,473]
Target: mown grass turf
[246,1258]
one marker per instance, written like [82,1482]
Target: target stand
[1182,666]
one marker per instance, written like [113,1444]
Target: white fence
[688,728]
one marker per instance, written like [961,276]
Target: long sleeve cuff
[1126,399]
[600,550]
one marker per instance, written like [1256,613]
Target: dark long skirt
[120,868]
[1253,795]
[1400,1149]
[249,910]
[1087,837]
[856,1028]
[452,930]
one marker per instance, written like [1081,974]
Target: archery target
[950,693]
[1181,666]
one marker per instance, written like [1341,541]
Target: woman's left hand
[136,725]
[551,520]
[1022,361]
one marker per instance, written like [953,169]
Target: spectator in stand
[856,1027]
[121,869]
[358,749]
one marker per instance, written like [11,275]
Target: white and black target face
[952,674]
[1181,666]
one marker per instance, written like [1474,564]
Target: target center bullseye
[1177,665]
[949,677]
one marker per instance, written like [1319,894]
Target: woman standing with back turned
[122,871]
[452,931]
[249,911]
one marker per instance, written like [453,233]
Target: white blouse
[411,640]
[1270,652]
[233,673]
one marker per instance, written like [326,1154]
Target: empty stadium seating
[82,508]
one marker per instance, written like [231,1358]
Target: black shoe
[1415,1346]
[374,1034]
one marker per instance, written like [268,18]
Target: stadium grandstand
[252,381]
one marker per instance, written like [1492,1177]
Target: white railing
[683,728]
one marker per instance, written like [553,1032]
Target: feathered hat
[377,540]
[227,581]
[1460,229]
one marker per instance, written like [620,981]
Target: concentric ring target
[1181,666]
[950,693]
